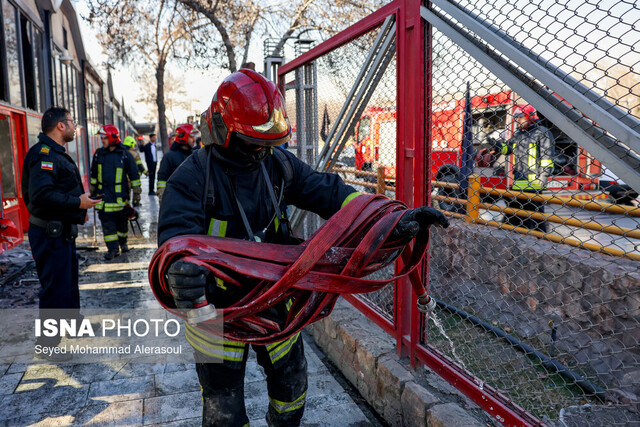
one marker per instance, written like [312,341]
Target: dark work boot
[124,247]
[111,254]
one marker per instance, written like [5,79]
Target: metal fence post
[473,198]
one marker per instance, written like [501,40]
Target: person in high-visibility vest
[130,143]
[239,186]
[110,168]
[533,151]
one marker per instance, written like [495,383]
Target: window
[37,67]
[28,65]
[34,126]
[65,41]
[364,128]
[6,161]
[11,49]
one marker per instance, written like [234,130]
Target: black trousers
[57,267]
[223,388]
[526,205]
[115,229]
[152,176]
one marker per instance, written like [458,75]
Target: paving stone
[415,401]
[122,389]
[450,415]
[46,375]
[136,369]
[177,382]
[174,407]
[9,382]
[336,415]
[127,413]
[191,422]
[41,420]
[65,400]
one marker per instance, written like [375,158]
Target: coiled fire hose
[352,244]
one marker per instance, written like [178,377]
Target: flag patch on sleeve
[46,166]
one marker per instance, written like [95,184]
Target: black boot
[123,246]
[111,254]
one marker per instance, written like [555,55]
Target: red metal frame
[413,187]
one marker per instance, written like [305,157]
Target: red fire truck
[375,139]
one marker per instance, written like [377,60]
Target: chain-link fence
[360,124]
[535,135]
[538,280]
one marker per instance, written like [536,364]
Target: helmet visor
[265,142]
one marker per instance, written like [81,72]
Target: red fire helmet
[526,110]
[111,132]
[182,133]
[250,106]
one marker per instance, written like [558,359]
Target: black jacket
[150,154]
[170,162]
[109,173]
[183,208]
[51,183]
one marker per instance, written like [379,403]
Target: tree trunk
[162,120]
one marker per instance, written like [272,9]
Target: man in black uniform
[110,167]
[54,195]
[181,148]
[151,159]
[239,186]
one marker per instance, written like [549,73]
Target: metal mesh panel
[367,160]
[537,278]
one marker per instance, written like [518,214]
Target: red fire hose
[351,245]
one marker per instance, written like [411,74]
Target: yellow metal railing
[474,203]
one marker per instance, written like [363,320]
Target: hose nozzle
[201,311]
[426,304]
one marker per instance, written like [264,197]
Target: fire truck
[375,144]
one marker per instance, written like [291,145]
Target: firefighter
[110,168]
[239,185]
[181,148]
[533,150]
[56,200]
[130,143]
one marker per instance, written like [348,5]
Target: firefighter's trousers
[222,382]
[115,229]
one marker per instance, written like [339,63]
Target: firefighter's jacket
[183,208]
[136,157]
[170,162]
[109,173]
[533,150]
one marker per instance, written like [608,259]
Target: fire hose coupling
[426,304]
[201,312]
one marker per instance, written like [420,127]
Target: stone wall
[521,282]
[366,356]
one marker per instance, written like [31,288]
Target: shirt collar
[51,143]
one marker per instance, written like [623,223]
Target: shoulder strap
[204,158]
[285,165]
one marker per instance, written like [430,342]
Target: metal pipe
[547,362]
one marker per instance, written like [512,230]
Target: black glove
[187,282]
[494,145]
[416,221]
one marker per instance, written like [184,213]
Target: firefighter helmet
[111,132]
[527,111]
[129,141]
[183,132]
[250,106]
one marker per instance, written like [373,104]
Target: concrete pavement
[131,393]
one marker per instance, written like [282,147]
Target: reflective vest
[533,150]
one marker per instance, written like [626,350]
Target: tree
[236,21]
[147,32]
[174,92]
